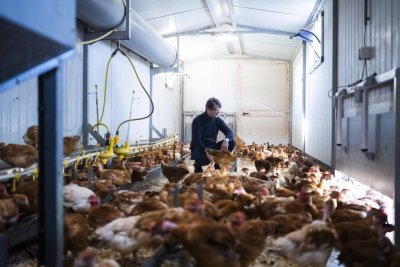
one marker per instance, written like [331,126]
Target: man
[205,129]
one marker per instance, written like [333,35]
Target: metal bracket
[157,70]
[370,81]
[358,94]
[118,35]
[96,135]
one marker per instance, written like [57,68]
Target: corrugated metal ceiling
[256,28]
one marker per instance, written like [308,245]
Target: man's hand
[209,157]
[225,143]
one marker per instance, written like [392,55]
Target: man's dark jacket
[204,135]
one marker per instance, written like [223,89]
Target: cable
[365,67]
[144,89]
[105,86]
[97,39]
[101,124]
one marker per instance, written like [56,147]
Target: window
[316,46]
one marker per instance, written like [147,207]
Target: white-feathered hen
[293,169]
[118,234]
[79,198]
[311,245]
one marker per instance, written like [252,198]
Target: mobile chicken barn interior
[319,77]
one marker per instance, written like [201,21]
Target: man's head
[212,107]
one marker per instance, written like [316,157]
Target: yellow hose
[144,89]
[101,124]
[105,89]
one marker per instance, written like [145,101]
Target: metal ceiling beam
[252,57]
[199,31]
[218,17]
[264,30]
[233,20]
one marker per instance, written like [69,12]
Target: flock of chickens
[218,217]
[24,156]
[221,218]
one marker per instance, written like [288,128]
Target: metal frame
[335,61]
[51,223]
[85,97]
[304,95]
[396,88]
[392,78]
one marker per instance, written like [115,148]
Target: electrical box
[365,53]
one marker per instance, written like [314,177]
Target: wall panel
[257,91]
[381,34]
[121,83]
[318,115]
[297,100]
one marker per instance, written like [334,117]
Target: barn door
[263,90]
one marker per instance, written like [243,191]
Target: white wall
[257,87]
[167,97]
[121,82]
[318,114]
[214,78]
[297,100]
[19,105]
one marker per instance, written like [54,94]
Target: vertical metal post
[364,117]
[335,78]
[304,96]
[339,121]
[396,92]
[51,241]
[85,95]
[151,95]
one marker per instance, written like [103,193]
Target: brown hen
[31,137]
[9,209]
[29,189]
[221,157]
[174,173]
[18,155]
[103,214]
[210,243]
[75,233]
[71,144]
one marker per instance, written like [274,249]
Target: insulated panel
[18,110]
[121,83]
[318,114]
[210,79]
[168,103]
[72,76]
[260,89]
[19,105]
[297,100]
[381,33]
[263,102]
[376,173]
[262,129]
